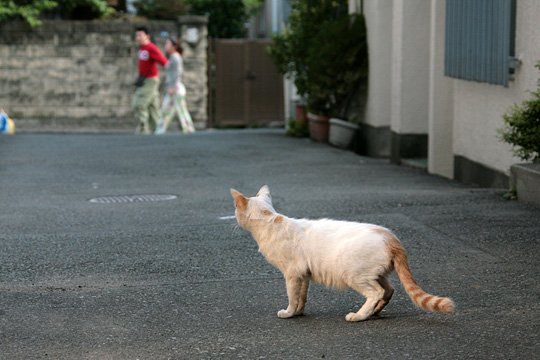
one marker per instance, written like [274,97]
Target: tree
[253,6]
[226,19]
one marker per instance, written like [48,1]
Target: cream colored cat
[338,254]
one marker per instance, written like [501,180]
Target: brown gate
[247,88]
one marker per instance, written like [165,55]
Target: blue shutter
[480,40]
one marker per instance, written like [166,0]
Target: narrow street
[131,277]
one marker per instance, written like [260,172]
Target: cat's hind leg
[297,293]
[388,292]
[373,292]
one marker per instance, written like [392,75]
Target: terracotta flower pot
[300,113]
[319,127]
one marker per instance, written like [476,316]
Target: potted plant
[300,111]
[522,131]
[325,50]
[297,128]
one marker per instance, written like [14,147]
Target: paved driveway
[176,279]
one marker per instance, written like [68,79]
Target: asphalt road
[176,279]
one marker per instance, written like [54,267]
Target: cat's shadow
[413,319]
[325,316]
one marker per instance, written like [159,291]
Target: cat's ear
[264,191]
[240,201]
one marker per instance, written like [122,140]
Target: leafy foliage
[161,9]
[325,50]
[522,127]
[297,128]
[226,19]
[31,10]
[252,6]
[83,9]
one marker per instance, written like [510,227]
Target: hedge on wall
[31,11]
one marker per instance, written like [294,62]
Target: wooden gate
[246,88]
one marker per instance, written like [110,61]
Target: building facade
[442,74]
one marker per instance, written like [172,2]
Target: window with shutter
[480,40]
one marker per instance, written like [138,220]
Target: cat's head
[251,211]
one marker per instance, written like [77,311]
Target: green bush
[31,11]
[522,127]
[160,9]
[83,9]
[226,19]
[325,50]
[297,128]
[253,6]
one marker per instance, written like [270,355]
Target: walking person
[174,101]
[146,98]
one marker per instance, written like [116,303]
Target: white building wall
[441,97]
[478,107]
[408,89]
[378,16]
[410,66]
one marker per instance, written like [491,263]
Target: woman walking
[174,101]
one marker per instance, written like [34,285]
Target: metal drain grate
[131,198]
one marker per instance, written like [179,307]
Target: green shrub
[31,11]
[28,11]
[83,9]
[325,50]
[226,19]
[522,127]
[160,9]
[297,128]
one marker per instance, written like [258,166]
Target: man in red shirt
[146,98]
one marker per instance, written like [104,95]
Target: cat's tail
[418,296]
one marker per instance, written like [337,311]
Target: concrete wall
[373,111]
[196,66]
[395,121]
[410,66]
[78,75]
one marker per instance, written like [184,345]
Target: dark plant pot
[342,133]
[319,127]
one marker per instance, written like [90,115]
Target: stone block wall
[78,75]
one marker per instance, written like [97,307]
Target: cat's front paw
[284,314]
